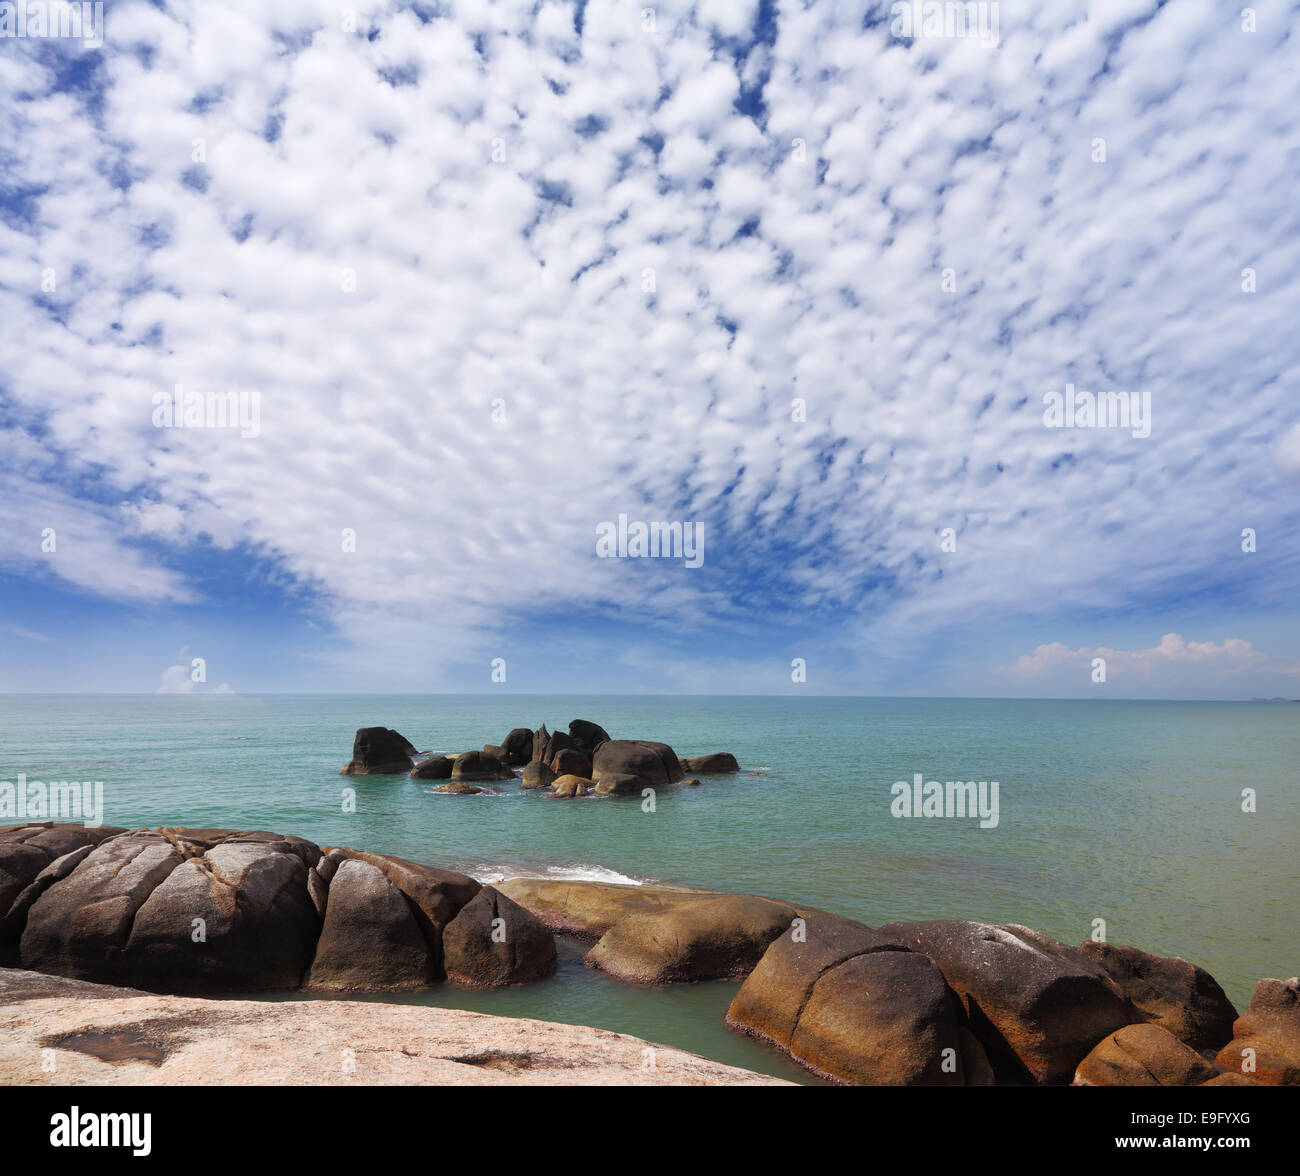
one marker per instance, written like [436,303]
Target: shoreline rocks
[182,910]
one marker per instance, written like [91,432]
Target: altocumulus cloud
[642,241]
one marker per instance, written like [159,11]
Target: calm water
[1125,811]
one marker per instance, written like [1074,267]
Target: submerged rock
[567,786]
[716,764]
[459,788]
[379,751]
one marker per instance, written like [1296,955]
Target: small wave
[572,872]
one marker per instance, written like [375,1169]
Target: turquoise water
[1124,811]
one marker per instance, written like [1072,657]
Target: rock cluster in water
[947,1002]
[583,762]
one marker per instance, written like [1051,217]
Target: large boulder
[571,762]
[770,1001]
[379,751]
[371,940]
[25,850]
[1142,1055]
[587,736]
[886,1018]
[518,746]
[436,896]
[493,941]
[1036,1005]
[1169,992]
[80,926]
[633,764]
[537,774]
[717,938]
[716,764]
[479,766]
[13,922]
[1265,1042]
[237,917]
[436,767]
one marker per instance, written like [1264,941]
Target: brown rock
[1265,1043]
[652,765]
[1143,1055]
[436,767]
[493,941]
[370,940]
[1169,992]
[716,764]
[518,746]
[537,775]
[571,762]
[589,909]
[1036,1005]
[708,939]
[571,786]
[379,751]
[885,1018]
[459,788]
[479,766]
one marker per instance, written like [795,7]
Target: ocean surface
[1129,812]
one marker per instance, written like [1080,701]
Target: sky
[808,279]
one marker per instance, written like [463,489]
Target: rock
[886,1018]
[493,941]
[478,765]
[79,927]
[571,786]
[459,788]
[589,909]
[1231,1078]
[436,896]
[436,767]
[1037,1006]
[587,736]
[546,744]
[1169,992]
[25,850]
[690,783]
[774,994]
[370,940]
[571,762]
[103,1036]
[379,751]
[518,746]
[620,784]
[652,765]
[1265,1041]
[13,923]
[537,775]
[716,764]
[718,938]
[258,930]
[1143,1055]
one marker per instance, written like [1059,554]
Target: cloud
[644,245]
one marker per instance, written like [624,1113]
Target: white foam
[571,872]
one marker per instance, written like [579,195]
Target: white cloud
[522,280]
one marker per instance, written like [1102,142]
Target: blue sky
[488,276]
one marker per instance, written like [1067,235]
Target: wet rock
[493,941]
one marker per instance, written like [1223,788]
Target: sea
[1174,826]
